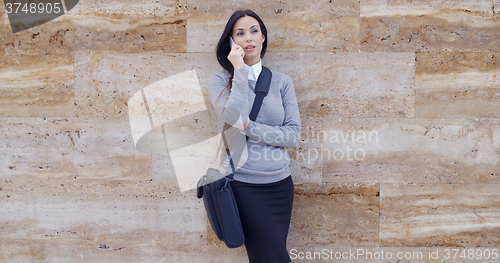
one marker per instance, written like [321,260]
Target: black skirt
[265,212]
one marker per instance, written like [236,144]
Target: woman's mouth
[249,48]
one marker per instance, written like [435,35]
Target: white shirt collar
[254,71]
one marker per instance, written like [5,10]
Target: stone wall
[399,150]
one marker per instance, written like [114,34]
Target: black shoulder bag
[217,194]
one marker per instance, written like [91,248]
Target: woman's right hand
[236,56]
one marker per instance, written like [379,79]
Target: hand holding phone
[236,55]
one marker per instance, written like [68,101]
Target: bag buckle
[224,188]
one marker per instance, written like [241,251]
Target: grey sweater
[276,127]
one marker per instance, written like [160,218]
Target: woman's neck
[251,63]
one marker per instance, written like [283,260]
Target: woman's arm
[286,135]
[232,107]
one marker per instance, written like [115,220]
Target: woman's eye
[255,31]
[239,33]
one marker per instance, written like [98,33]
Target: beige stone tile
[22,250]
[53,163]
[54,250]
[292,25]
[345,84]
[349,84]
[334,214]
[428,26]
[104,149]
[293,34]
[37,86]
[303,166]
[275,9]
[455,62]
[72,148]
[100,211]
[106,82]
[37,135]
[462,215]
[106,26]
[313,35]
[457,84]
[411,150]
[361,254]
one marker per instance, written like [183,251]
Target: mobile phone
[231,42]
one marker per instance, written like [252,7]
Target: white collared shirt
[254,71]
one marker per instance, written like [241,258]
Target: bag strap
[261,90]
[230,176]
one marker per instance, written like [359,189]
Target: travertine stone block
[54,163]
[37,135]
[275,9]
[338,34]
[303,167]
[21,250]
[350,84]
[411,150]
[37,86]
[292,34]
[125,27]
[56,250]
[81,148]
[334,214]
[428,26]
[108,151]
[106,82]
[457,84]
[291,25]
[100,211]
[462,215]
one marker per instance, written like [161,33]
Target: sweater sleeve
[286,135]
[232,107]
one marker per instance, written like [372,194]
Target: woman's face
[247,34]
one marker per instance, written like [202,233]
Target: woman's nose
[248,38]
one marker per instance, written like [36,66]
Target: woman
[262,186]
